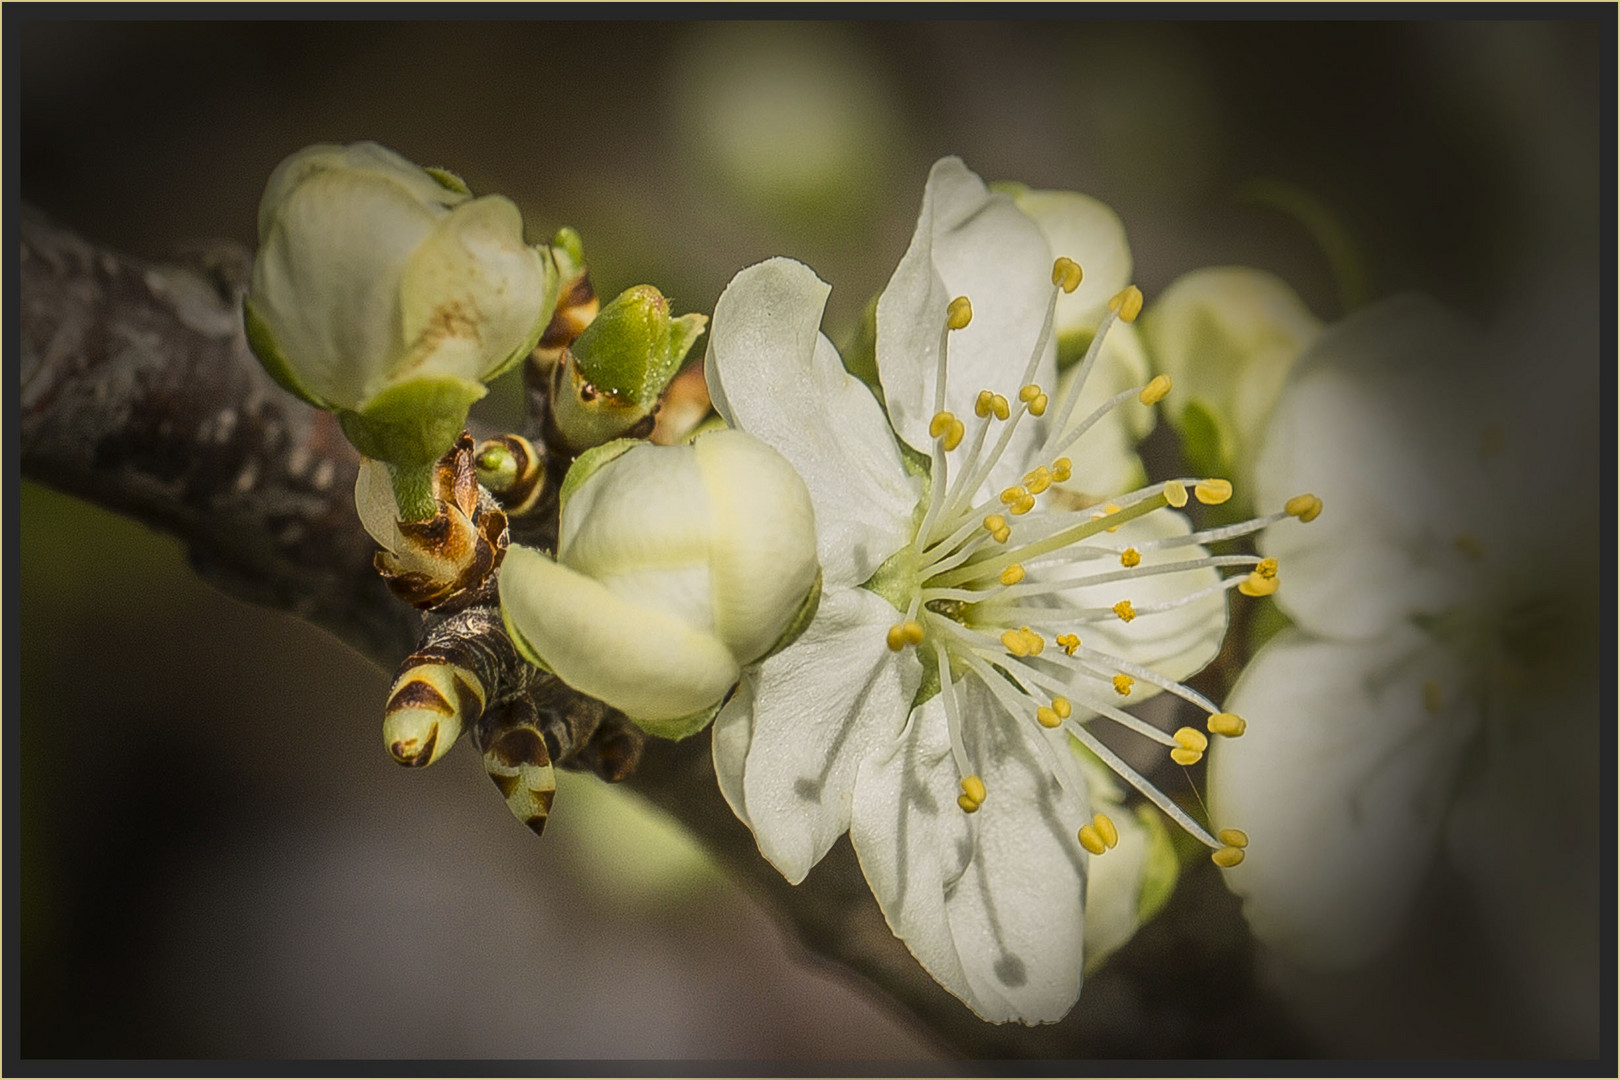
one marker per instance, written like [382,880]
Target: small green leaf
[448,180]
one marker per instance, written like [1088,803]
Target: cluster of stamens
[966,613]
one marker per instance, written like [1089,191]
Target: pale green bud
[389,295]
[611,378]
[676,567]
[1227,337]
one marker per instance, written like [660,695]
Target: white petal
[820,705]
[1227,337]
[648,664]
[1114,880]
[1083,229]
[472,293]
[772,373]
[1379,421]
[974,243]
[361,158]
[733,730]
[991,904]
[1341,783]
[374,502]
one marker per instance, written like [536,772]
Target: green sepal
[860,351]
[1161,870]
[263,344]
[587,463]
[682,726]
[448,180]
[568,245]
[413,423]
[416,496]
[549,270]
[801,619]
[624,352]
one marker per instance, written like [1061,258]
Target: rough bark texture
[139,394]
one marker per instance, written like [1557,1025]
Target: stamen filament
[1136,780]
[1057,541]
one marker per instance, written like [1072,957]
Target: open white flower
[977,615]
[1438,691]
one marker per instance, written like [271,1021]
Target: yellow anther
[1191,739]
[896,637]
[1062,469]
[1128,302]
[940,424]
[913,632]
[1066,274]
[1123,684]
[959,314]
[1033,642]
[1048,717]
[1130,557]
[1061,706]
[1257,584]
[1070,642]
[1106,829]
[1091,839]
[1024,505]
[1266,568]
[1038,406]
[1227,857]
[1013,494]
[999,406]
[1213,492]
[1233,838]
[1014,642]
[1013,574]
[953,437]
[1125,611]
[1182,756]
[1175,493]
[968,805]
[1154,391]
[1029,393]
[995,523]
[1039,480]
[1432,699]
[1305,507]
[1229,724]
[983,404]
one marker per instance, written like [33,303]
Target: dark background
[219,859]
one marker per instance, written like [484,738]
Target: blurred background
[218,857]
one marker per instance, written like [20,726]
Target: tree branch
[139,394]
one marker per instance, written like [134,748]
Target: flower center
[993,578]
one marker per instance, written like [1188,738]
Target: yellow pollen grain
[1266,568]
[1024,505]
[1257,584]
[1229,724]
[1233,838]
[1155,390]
[1069,642]
[1112,508]
[968,805]
[1061,706]
[1033,642]
[1014,642]
[959,313]
[1106,829]
[1128,302]
[896,637]
[982,404]
[1227,857]
[1062,469]
[1130,557]
[1305,507]
[1013,574]
[946,427]
[953,438]
[973,787]
[1039,480]
[1029,393]
[994,523]
[1213,492]
[1175,493]
[1013,494]
[999,406]
[1191,739]
[1182,756]
[1066,274]
[913,632]
[1038,406]
[1048,717]
[1091,840]
[1125,611]
[1123,684]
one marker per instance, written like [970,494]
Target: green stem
[414,491]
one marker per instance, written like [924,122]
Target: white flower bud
[677,566]
[387,293]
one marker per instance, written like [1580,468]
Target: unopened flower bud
[389,295]
[676,567]
[610,380]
